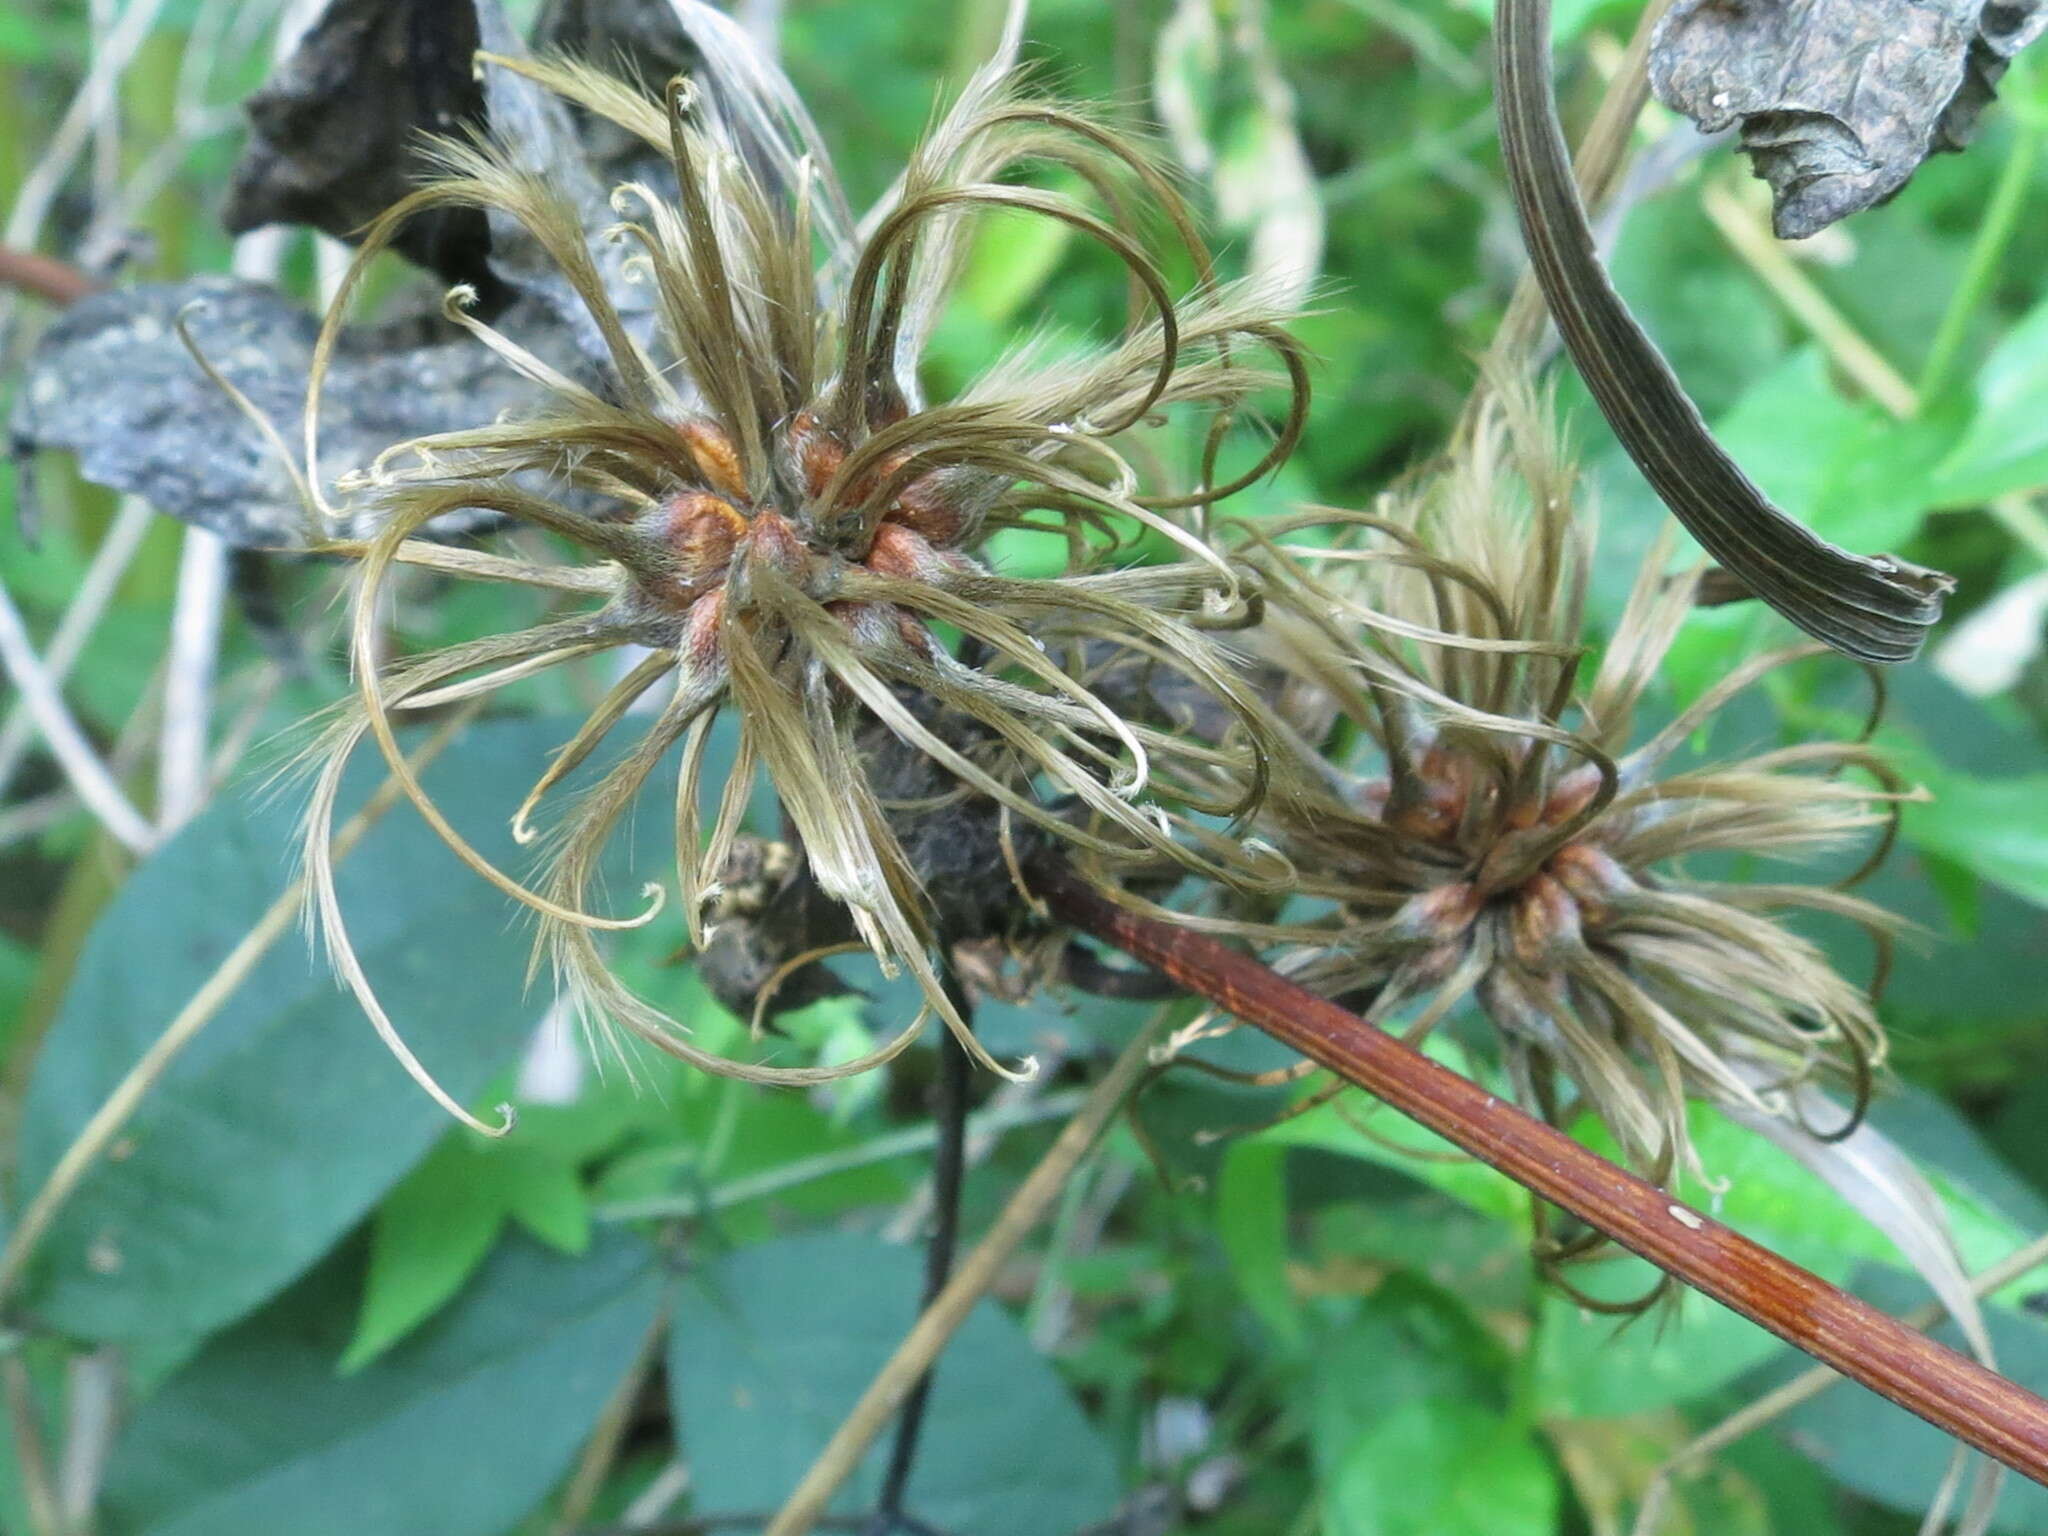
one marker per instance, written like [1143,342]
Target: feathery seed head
[1505,837]
[763,499]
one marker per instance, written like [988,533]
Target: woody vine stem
[1955,1394]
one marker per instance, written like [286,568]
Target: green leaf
[22,41]
[435,1228]
[773,1344]
[1399,1143]
[2005,448]
[1442,1467]
[286,1119]
[1251,1223]
[1845,468]
[549,1200]
[1590,1366]
[1012,255]
[1996,828]
[458,1432]
[17,974]
[429,1236]
[1410,1341]
[1775,1200]
[1767,1196]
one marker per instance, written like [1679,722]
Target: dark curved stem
[949,1169]
[1956,1395]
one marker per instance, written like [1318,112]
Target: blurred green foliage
[335,1314]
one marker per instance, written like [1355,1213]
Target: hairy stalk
[106,1122]
[949,1169]
[805,1507]
[1956,1395]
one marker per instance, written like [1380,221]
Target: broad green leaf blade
[549,1200]
[1251,1223]
[1996,828]
[429,1236]
[1407,1415]
[772,1345]
[1443,1467]
[286,1120]
[1843,467]
[436,1227]
[457,1432]
[2005,449]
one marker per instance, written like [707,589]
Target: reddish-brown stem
[44,276]
[1955,1394]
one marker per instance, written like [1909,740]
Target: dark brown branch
[1955,1394]
[44,276]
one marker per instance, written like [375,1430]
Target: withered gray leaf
[655,40]
[1875,609]
[1838,101]
[335,133]
[2003,30]
[336,137]
[534,128]
[112,382]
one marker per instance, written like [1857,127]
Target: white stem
[188,684]
[88,606]
[92,1412]
[106,116]
[657,1498]
[762,20]
[110,59]
[74,753]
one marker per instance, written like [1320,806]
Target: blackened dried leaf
[112,382]
[2003,30]
[645,36]
[335,133]
[1838,100]
[1875,609]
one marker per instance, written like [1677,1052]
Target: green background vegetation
[336,1313]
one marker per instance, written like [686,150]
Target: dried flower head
[1505,836]
[764,501]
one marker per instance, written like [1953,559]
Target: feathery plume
[759,494]
[1493,827]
